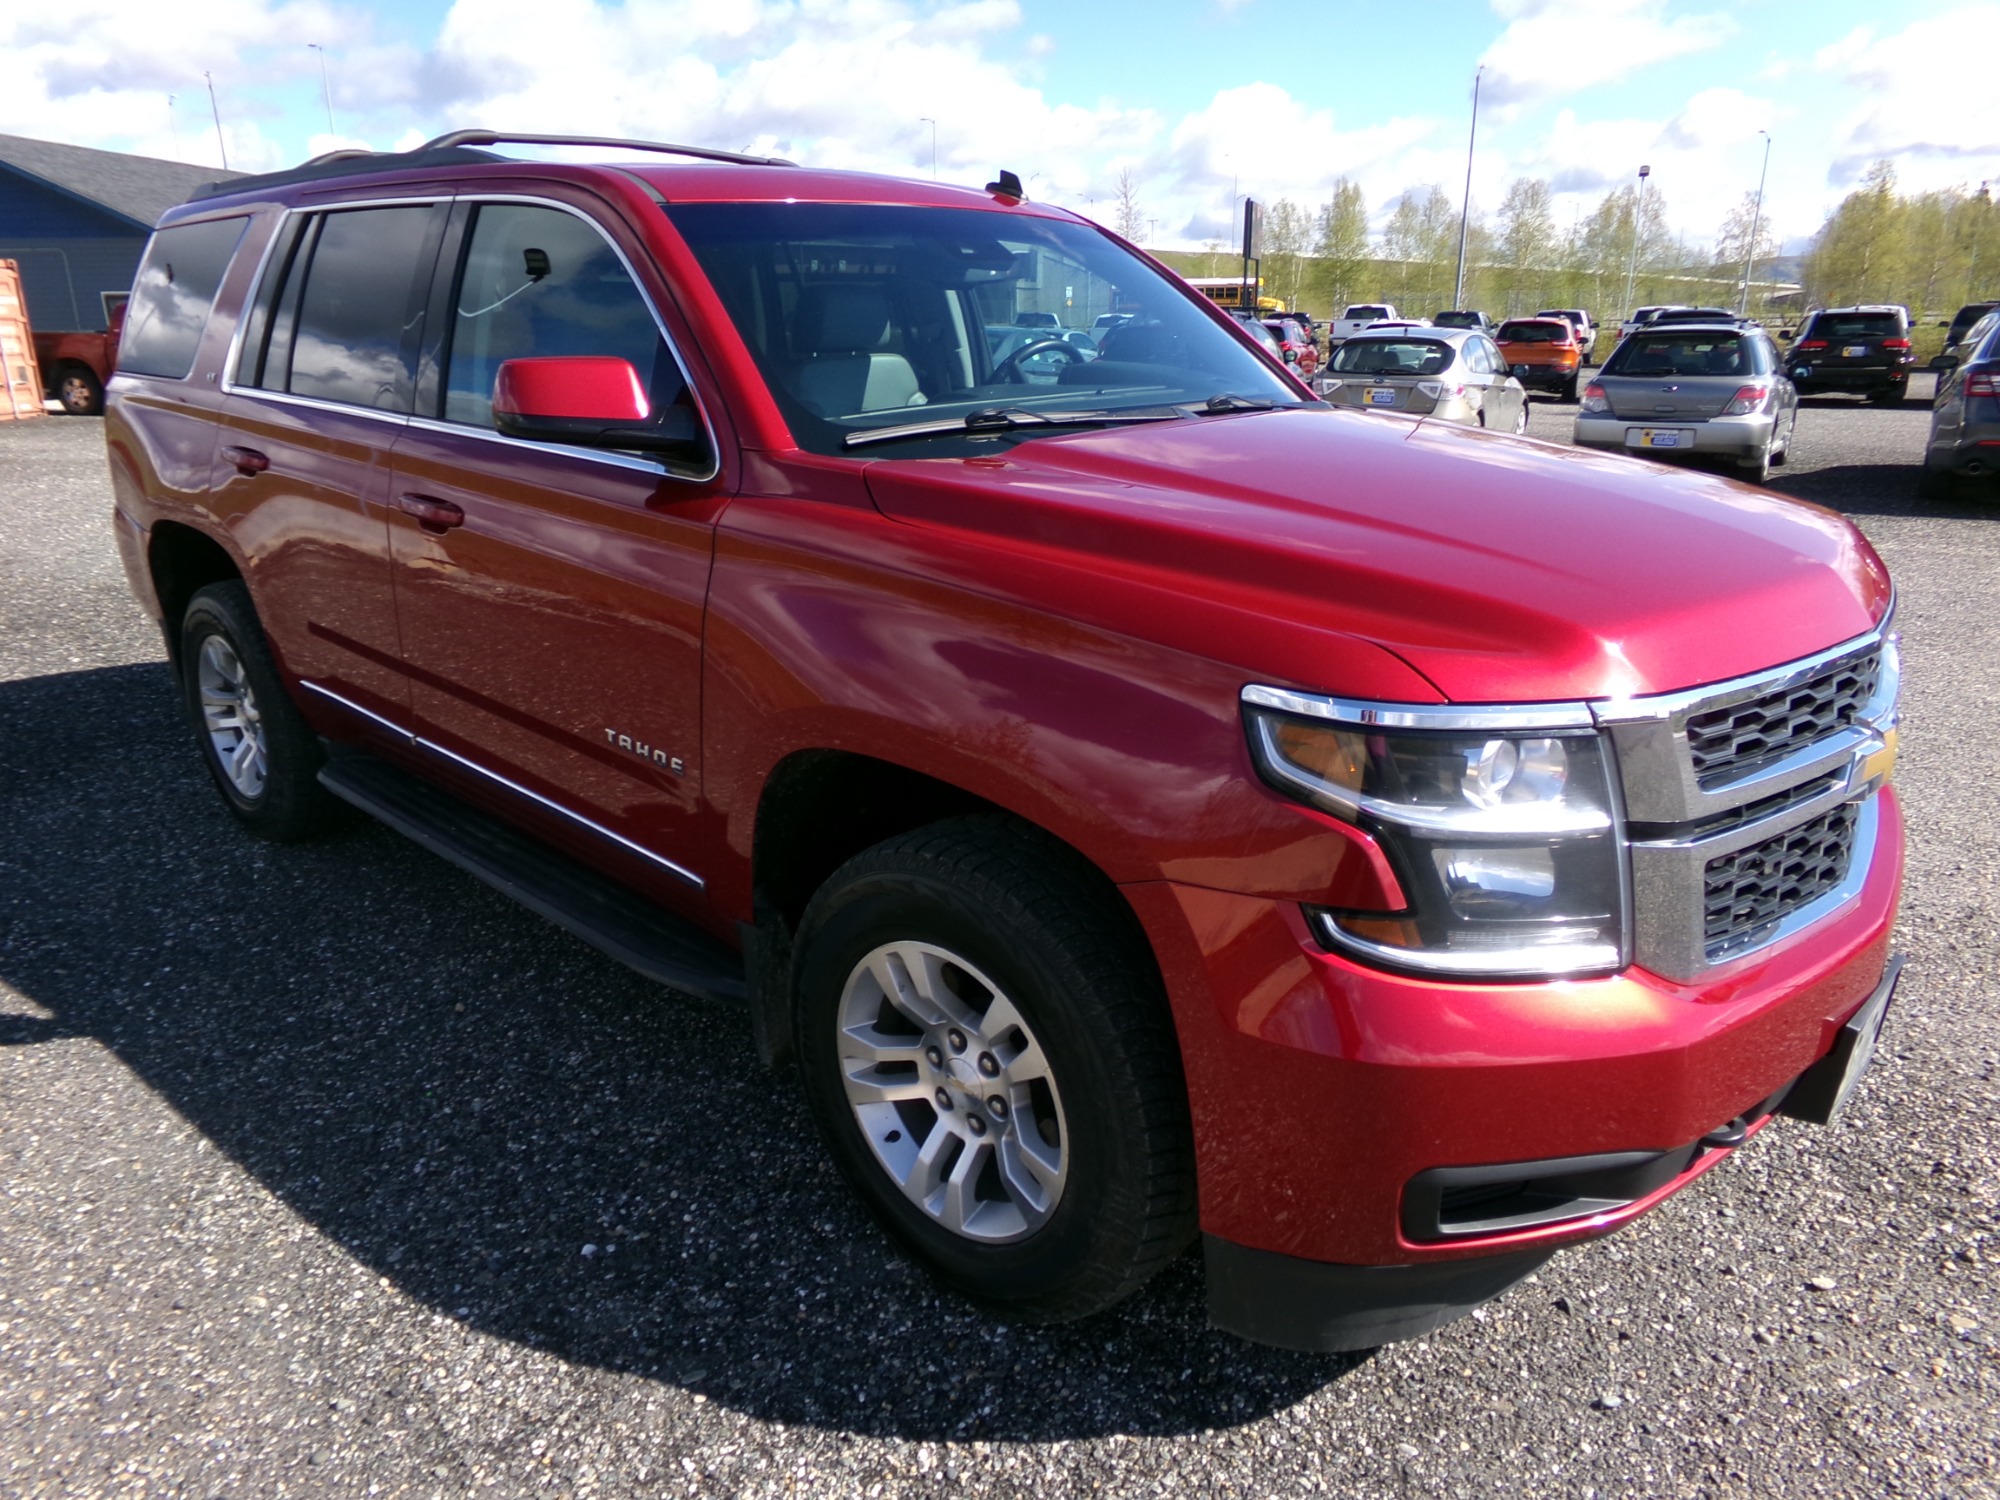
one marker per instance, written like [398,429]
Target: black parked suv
[1861,349]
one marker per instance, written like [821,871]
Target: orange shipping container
[20,381]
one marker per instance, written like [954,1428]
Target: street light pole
[1632,265]
[216,113]
[1756,218]
[325,88]
[1465,210]
[927,120]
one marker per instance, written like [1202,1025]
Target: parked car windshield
[1687,352]
[864,316]
[1534,333]
[1456,320]
[1392,357]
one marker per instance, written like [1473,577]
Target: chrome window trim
[229,387]
[1441,716]
[614,457]
[419,742]
[286,213]
[317,403]
[475,199]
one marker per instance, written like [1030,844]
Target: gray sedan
[1452,374]
[1693,391]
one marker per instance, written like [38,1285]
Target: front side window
[172,295]
[865,317]
[540,283]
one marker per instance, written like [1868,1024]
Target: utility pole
[216,113]
[927,120]
[324,88]
[1756,218]
[1632,265]
[1465,210]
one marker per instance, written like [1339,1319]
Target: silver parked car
[1682,390]
[1964,443]
[1453,374]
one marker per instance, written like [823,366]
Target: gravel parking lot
[325,1170]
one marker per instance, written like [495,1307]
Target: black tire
[275,794]
[1758,470]
[1001,903]
[1569,389]
[79,390]
[1887,395]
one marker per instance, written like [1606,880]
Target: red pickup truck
[77,366]
[1144,802]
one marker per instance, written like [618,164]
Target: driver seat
[842,368]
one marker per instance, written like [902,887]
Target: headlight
[1505,840]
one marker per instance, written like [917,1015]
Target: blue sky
[1277,97]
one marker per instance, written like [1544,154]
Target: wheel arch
[183,561]
[818,809]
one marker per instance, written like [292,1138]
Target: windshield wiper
[1228,401]
[997,419]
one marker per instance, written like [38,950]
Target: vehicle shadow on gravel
[1879,490]
[511,1128]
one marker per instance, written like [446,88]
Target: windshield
[1533,333]
[864,316]
[1694,351]
[1392,357]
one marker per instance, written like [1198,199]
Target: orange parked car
[1542,353]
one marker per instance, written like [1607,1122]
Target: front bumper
[1739,438]
[1322,1090]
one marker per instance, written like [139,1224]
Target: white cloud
[1905,106]
[1552,48]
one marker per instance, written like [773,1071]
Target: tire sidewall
[885,907]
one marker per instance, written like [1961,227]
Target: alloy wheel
[952,1092]
[230,718]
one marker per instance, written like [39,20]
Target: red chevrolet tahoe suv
[1142,801]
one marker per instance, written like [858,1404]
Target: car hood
[1502,569]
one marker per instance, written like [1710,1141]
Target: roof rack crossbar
[508,137]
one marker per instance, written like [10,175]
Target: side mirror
[592,400]
[1785,334]
[1944,322]
[1944,364]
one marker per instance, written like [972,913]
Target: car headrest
[841,320]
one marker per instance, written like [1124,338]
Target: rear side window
[349,308]
[172,295]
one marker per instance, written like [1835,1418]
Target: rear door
[318,392]
[551,596]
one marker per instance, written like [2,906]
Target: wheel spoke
[902,988]
[960,1201]
[1031,1181]
[926,1180]
[865,1085]
[1021,1058]
[866,1043]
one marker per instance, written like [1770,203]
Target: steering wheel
[1010,367]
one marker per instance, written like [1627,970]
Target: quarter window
[172,296]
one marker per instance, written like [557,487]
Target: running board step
[611,918]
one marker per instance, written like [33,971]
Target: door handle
[246,460]
[435,516]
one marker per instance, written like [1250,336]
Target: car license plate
[1856,351]
[1664,437]
[1382,395]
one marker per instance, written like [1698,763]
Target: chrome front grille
[1731,742]
[1747,895]
[1750,807]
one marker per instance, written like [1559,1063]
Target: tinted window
[1367,310]
[1856,326]
[541,283]
[1695,351]
[352,308]
[1392,357]
[172,296]
[1533,333]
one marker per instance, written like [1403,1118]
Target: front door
[551,597]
